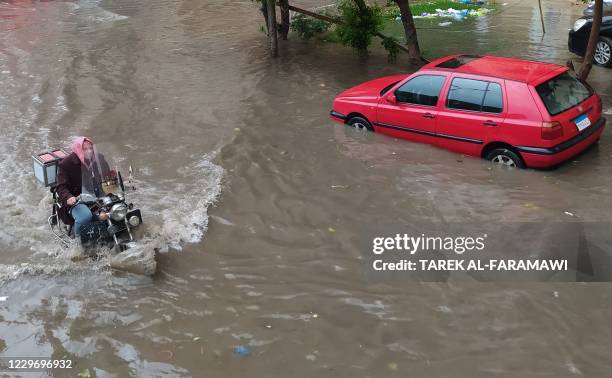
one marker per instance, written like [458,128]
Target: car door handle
[429,115]
[489,123]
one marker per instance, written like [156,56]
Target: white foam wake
[177,212]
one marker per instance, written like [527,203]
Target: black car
[579,38]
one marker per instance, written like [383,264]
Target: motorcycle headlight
[118,211]
[134,221]
[579,24]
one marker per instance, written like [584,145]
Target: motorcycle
[123,218]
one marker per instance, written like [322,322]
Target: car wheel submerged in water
[505,158]
[360,123]
[603,52]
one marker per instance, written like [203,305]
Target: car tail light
[551,130]
[599,107]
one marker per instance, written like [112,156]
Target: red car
[513,112]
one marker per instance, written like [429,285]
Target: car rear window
[475,95]
[458,61]
[562,93]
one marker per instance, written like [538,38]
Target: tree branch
[339,22]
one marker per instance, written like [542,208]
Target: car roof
[526,71]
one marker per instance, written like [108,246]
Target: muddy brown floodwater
[256,201]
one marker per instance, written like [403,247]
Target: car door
[410,111]
[472,111]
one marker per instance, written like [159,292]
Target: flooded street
[256,202]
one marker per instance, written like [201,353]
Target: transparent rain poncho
[93,169]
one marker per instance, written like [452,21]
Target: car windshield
[562,93]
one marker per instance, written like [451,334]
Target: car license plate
[582,122]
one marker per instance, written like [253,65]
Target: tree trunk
[593,39]
[272,28]
[412,43]
[285,19]
[264,11]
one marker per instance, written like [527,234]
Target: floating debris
[242,350]
[311,357]
[84,374]
[455,14]
[165,355]
[445,309]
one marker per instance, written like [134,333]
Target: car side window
[475,95]
[421,90]
[493,102]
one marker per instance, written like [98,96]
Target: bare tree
[593,39]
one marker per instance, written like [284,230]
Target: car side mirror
[391,99]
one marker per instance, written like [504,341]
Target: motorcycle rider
[78,173]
